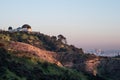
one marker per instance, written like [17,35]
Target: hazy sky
[85,23]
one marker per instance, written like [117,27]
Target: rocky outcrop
[91,65]
[82,62]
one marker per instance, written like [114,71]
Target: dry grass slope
[47,56]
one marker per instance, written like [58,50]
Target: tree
[62,39]
[54,38]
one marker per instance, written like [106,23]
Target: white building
[25,28]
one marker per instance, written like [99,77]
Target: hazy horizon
[85,23]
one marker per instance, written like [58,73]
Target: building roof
[9,28]
[26,26]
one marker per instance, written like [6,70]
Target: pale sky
[85,23]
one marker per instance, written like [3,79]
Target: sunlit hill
[29,55]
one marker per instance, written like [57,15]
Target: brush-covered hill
[42,41]
[51,58]
[22,61]
[29,67]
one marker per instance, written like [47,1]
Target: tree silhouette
[62,39]
[53,38]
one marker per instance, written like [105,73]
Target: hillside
[40,40]
[21,48]
[57,55]
[23,68]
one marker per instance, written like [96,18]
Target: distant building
[25,28]
[19,29]
[10,29]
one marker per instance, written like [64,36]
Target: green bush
[5,37]
[24,36]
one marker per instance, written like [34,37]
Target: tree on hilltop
[62,39]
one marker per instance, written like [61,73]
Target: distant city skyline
[85,23]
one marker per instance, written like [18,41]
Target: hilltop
[54,52]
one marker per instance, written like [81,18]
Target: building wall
[22,29]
